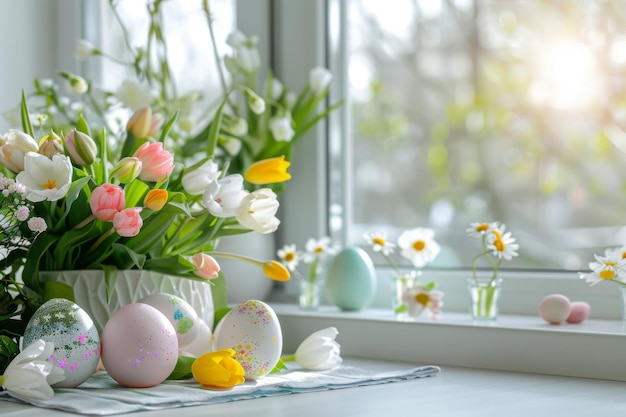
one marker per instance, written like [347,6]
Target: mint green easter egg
[351,279]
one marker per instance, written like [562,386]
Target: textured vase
[130,287]
[351,279]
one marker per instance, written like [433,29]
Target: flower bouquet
[410,296]
[144,177]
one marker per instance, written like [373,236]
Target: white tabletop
[454,392]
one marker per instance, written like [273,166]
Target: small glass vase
[310,294]
[400,284]
[484,296]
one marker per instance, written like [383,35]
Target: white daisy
[418,246]
[379,243]
[290,256]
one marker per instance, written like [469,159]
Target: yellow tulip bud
[268,171]
[218,369]
[155,199]
[276,271]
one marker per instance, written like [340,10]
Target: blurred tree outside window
[490,110]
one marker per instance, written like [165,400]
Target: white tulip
[223,197]
[195,182]
[84,49]
[45,179]
[13,147]
[319,351]
[319,79]
[281,128]
[30,373]
[258,211]
[134,95]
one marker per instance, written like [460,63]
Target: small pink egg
[554,308]
[579,312]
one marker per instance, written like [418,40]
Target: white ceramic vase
[131,286]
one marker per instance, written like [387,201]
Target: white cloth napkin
[101,395]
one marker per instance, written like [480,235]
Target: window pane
[477,111]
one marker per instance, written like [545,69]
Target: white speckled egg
[180,313]
[139,346]
[75,338]
[252,330]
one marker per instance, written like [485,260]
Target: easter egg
[74,335]
[554,308]
[139,346]
[579,312]
[180,313]
[252,330]
[351,279]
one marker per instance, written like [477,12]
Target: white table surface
[454,391]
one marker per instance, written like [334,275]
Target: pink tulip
[156,162]
[128,222]
[106,201]
[207,266]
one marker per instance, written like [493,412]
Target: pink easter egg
[554,308]
[579,312]
[139,346]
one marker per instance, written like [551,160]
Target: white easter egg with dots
[180,313]
[252,330]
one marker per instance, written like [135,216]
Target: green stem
[85,222]
[101,239]
[288,358]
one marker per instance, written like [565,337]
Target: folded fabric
[101,395]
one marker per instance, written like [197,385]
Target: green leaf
[429,286]
[279,367]
[56,289]
[82,126]
[220,311]
[41,245]
[110,277]
[214,130]
[135,193]
[402,308]
[138,259]
[8,350]
[167,127]
[72,195]
[27,127]
[183,368]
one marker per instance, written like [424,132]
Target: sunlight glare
[566,74]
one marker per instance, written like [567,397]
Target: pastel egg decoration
[75,337]
[351,279]
[139,346]
[180,313]
[252,330]
[554,308]
[579,312]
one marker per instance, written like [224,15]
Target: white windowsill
[518,343]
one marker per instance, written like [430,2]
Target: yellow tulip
[218,369]
[268,171]
[155,199]
[276,271]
